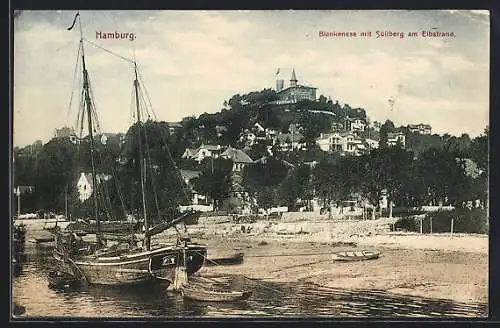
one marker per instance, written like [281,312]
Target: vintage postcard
[298,164]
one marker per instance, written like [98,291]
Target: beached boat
[226,260]
[106,226]
[60,279]
[198,293]
[356,255]
[127,261]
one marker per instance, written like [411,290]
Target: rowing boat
[356,255]
[198,293]
[228,260]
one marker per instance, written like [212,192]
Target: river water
[32,298]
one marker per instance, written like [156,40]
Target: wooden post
[451,230]
[421,226]
[431,225]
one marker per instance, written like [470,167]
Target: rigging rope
[74,78]
[164,139]
[109,51]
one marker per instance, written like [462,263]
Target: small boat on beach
[227,260]
[60,279]
[356,255]
[199,293]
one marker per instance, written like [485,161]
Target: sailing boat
[128,261]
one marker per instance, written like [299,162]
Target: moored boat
[356,255]
[199,293]
[236,258]
[115,259]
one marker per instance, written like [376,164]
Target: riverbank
[435,266]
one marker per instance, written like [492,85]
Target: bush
[465,221]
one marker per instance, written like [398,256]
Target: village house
[420,128]
[395,138]
[173,127]
[202,152]
[290,141]
[239,157]
[375,125]
[85,184]
[356,124]
[248,138]
[188,176]
[346,143]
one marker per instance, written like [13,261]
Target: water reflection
[30,290]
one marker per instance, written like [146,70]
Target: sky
[192,61]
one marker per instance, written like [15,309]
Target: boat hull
[356,256]
[105,227]
[134,268]
[200,294]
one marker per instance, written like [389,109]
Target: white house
[357,124]
[239,157]
[85,184]
[420,128]
[346,143]
[202,152]
[393,138]
[290,141]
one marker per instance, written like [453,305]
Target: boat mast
[88,103]
[147,237]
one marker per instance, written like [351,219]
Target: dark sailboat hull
[105,227]
[134,267]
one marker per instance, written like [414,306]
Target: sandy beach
[299,248]
[434,266]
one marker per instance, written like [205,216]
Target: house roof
[263,160]
[296,137]
[189,174]
[209,147]
[99,177]
[296,87]
[189,152]
[237,155]
[394,134]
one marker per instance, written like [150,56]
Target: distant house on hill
[393,138]
[239,157]
[85,184]
[346,143]
[420,128]
[64,132]
[290,141]
[202,152]
[173,127]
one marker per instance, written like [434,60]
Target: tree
[215,179]
[262,180]
[385,129]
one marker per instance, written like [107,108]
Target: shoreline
[435,266]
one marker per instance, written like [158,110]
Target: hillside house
[188,176]
[346,143]
[394,138]
[202,152]
[85,184]
[239,157]
[356,124]
[290,141]
[420,128]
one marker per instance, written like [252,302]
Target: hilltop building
[294,92]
